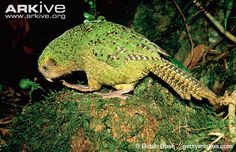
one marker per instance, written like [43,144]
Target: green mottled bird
[113,55]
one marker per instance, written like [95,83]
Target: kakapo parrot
[114,55]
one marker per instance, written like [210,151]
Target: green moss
[68,120]
[45,123]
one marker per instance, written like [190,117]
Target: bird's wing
[116,44]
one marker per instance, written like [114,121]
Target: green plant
[228,6]
[92,14]
[28,84]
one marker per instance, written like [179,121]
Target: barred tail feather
[183,83]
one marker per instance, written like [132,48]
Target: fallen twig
[185,24]
[230,101]
[5,120]
[219,137]
[215,22]
[4,132]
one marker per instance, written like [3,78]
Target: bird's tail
[183,83]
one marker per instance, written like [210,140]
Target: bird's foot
[113,94]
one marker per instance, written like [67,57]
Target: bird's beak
[50,80]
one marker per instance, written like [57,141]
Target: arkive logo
[35,11]
[36,8]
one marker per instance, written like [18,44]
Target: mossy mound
[152,116]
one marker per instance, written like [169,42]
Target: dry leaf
[194,56]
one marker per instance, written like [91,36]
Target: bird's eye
[45,68]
